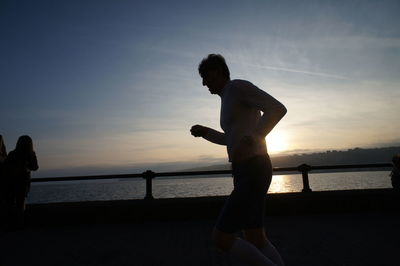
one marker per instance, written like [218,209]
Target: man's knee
[223,241]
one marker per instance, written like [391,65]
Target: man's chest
[232,112]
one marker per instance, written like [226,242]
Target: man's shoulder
[239,87]
[239,83]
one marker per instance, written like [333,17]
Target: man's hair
[213,62]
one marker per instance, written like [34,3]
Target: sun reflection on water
[284,183]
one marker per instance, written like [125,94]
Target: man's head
[214,72]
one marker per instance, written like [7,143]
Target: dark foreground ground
[340,239]
[366,237]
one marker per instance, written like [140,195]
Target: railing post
[149,175]
[304,169]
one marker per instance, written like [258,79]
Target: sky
[112,86]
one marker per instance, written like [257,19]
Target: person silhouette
[3,155]
[395,174]
[244,135]
[18,166]
[3,150]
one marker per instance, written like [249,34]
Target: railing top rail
[351,166]
[215,172]
[92,177]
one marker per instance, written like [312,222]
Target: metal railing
[149,175]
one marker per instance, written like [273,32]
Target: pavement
[352,238]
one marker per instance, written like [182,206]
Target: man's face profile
[211,80]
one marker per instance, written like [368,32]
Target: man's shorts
[245,207]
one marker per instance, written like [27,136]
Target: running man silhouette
[244,135]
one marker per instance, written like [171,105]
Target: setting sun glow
[276,142]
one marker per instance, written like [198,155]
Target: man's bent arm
[273,110]
[215,137]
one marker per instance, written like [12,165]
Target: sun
[276,141]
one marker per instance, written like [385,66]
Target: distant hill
[211,168]
[331,157]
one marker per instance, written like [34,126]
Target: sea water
[180,187]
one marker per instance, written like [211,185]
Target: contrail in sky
[299,71]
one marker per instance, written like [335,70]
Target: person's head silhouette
[24,144]
[214,72]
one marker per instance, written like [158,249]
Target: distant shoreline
[350,156]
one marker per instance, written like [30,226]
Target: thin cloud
[319,74]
